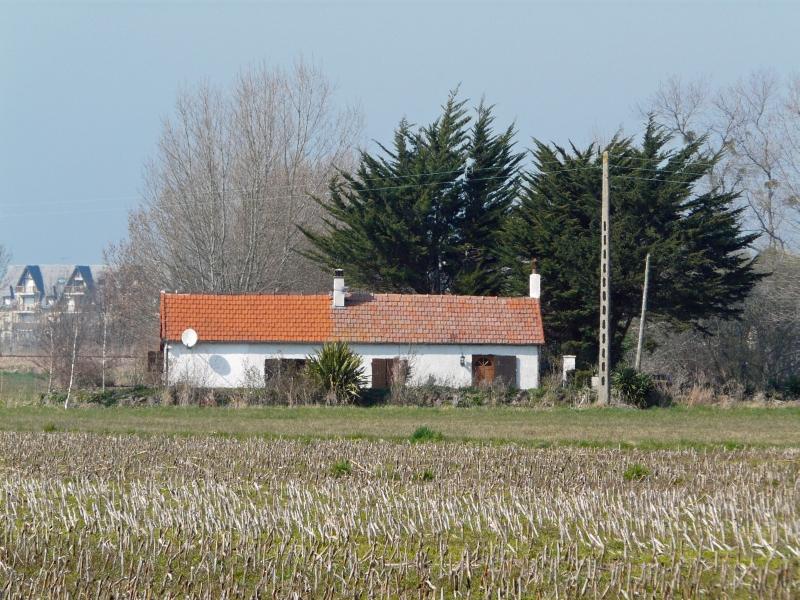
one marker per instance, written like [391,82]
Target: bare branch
[230,183]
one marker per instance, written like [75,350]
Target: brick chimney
[338,288]
[535,280]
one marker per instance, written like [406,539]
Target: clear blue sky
[84,87]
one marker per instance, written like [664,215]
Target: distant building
[29,291]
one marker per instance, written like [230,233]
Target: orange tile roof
[366,318]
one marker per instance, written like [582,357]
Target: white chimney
[536,281]
[568,364]
[338,288]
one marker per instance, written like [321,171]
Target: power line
[291,186]
[189,203]
[304,195]
[281,186]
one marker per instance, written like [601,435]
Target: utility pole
[644,312]
[604,358]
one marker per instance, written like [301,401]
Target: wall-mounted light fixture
[463,360]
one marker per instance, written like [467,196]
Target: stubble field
[88,515]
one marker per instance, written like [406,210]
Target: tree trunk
[50,371]
[105,320]
[72,366]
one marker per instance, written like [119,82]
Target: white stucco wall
[227,364]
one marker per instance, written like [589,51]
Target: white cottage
[221,340]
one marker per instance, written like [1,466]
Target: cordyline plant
[338,371]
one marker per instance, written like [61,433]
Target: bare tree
[227,188]
[754,129]
[231,182]
[64,337]
[791,125]
[130,307]
[759,350]
[47,339]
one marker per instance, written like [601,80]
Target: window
[276,369]
[386,371]
[488,368]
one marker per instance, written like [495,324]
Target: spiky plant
[634,387]
[338,371]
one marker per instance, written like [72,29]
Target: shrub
[426,475]
[499,392]
[636,472]
[291,386]
[580,378]
[792,386]
[789,387]
[55,397]
[430,392]
[634,387]
[106,398]
[341,468]
[337,370]
[426,434]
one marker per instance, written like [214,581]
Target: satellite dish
[189,337]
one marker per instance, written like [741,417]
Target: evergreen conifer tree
[426,215]
[490,186]
[699,265]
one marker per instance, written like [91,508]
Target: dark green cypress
[699,262]
[490,186]
[425,215]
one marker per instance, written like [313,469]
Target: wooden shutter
[380,373]
[386,371]
[399,370]
[506,369]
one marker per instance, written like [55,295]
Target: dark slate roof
[47,277]
[36,274]
[86,274]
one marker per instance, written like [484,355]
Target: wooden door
[483,369]
[386,371]
[380,373]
